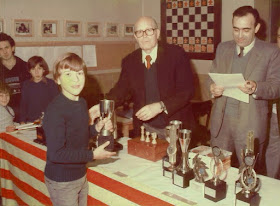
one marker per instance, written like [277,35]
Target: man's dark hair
[6,37]
[244,10]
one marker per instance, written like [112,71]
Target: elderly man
[259,62]
[158,78]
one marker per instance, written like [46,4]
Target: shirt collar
[247,48]
[153,54]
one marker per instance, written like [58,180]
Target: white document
[89,55]
[230,82]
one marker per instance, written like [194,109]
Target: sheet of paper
[230,82]
[89,55]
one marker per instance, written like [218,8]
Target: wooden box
[147,150]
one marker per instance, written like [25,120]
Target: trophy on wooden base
[248,180]
[107,108]
[183,174]
[216,189]
[169,162]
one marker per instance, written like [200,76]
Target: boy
[66,128]
[6,113]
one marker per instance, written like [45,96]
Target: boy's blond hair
[68,61]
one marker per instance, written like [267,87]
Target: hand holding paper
[232,84]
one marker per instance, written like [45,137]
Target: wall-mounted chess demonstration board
[194,25]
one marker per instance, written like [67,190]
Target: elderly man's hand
[149,111]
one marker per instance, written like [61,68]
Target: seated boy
[65,124]
[7,114]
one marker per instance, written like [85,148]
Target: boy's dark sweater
[35,98]
[67,133]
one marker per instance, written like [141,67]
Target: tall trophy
[169,162]
[216,189]
[248,179]
[107,108]
[183,174]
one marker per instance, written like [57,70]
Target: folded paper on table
[230,82]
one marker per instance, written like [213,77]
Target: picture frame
[23,27]
[128,30]
[112,29]
[1,25]
[201,34]
[93,29]
[73,28]
[49,28]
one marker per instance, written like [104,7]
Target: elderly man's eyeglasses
[148,32]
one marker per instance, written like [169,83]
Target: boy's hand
[10,128]
[99,153]
[94,112]
[107,123]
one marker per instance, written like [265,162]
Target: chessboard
[192,24]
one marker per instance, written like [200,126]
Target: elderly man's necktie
[148,59]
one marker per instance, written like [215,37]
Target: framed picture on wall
[112,29]
[73,28]
[94,29]
[128,30]
[49,28]
[1,25]
[193,25]
[23,27]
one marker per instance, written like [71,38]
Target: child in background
[37,92]
[6,113]
[67,131]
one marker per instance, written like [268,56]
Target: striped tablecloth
[22,178]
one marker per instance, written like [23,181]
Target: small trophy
[107,110]
[216,189]
[169,161]
[199,169]
[248,180]
[183,174]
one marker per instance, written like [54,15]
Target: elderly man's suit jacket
[175,83]
[264,68]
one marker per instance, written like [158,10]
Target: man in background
[259,62]
[158,78]
[272,157]
[13,71]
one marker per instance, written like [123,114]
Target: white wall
[116,11]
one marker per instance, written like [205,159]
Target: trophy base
[147,150]
[215,192]
[102,139]
[197,186]
[182,180]
[249,199]
[167,167]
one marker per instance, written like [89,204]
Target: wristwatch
[163,107]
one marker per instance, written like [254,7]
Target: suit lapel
[229,54]
[253,60]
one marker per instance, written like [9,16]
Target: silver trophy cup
[107,108]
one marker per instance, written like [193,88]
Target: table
[122,180]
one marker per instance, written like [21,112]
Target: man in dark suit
[272,157]
[161,85]
[259,62]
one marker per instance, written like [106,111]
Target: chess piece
[147,137]
[154,136]
[142,133]
[216,189]
[183,174]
